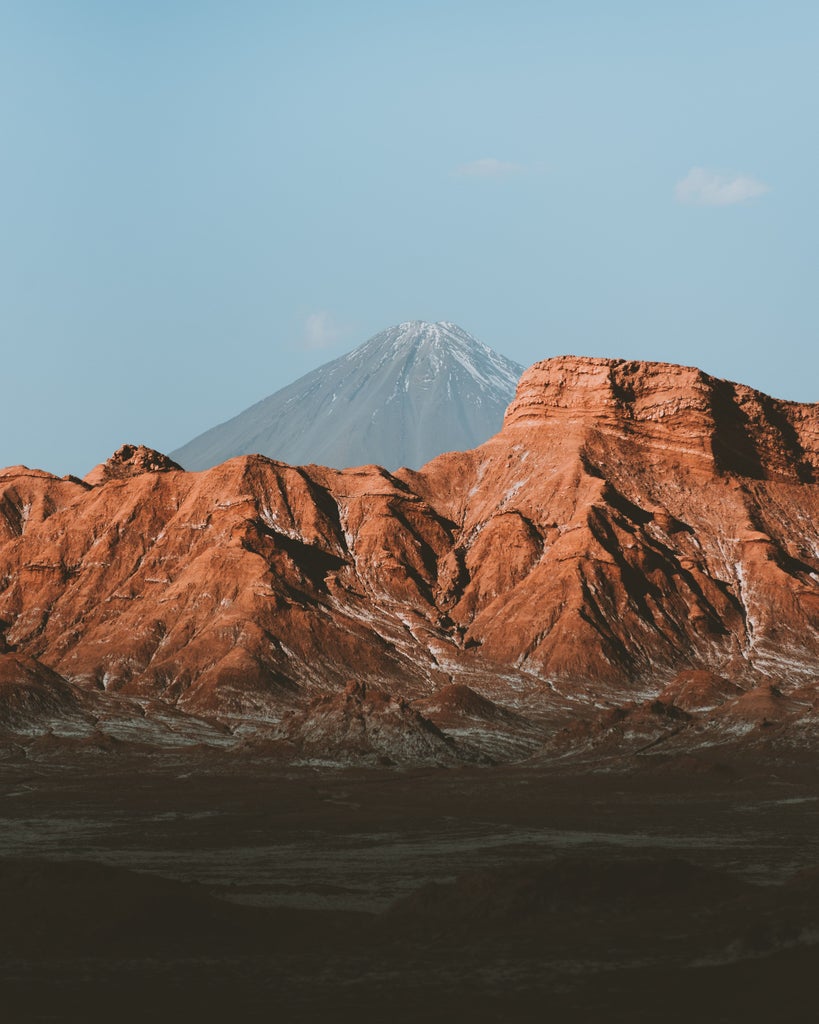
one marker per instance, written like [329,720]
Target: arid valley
[533,727]
[409,512]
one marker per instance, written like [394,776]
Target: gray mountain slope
[406,395]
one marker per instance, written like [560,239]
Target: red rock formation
[129,461]
[699,690]
[31,694]
[631,521]
[368,724]
[635,518]
[30,496]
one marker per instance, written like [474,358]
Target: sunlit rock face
[637,536]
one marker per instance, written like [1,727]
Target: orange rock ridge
[631,522]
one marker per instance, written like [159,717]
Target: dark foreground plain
[217,888]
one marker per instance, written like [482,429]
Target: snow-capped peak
[405,395]
[440,343]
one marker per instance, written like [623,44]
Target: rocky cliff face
[638,537]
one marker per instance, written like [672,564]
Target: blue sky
[201,201]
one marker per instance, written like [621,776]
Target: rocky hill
[406,395]
[630,565]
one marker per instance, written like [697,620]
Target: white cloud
[320,331]
[701,187]
[487,167]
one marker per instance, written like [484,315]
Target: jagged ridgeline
[633,558]
[403,397]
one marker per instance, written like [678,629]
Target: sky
[201,201]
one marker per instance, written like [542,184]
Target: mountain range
[630,566]
[406,395]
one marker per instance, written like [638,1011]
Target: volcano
[403,397]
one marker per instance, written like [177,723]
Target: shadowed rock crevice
[784,431]
[734,447]
[314,562]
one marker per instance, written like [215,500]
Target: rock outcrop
[130,461]
[365,724]
[630,522]
[32,695]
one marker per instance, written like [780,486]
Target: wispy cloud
[488,167]
[701,187]
[320,331]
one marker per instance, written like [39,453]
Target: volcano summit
[406,395]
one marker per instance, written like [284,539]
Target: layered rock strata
[630,522]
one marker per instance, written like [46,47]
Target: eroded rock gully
[636,533]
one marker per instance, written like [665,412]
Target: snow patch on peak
[435,344]
[404,396]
